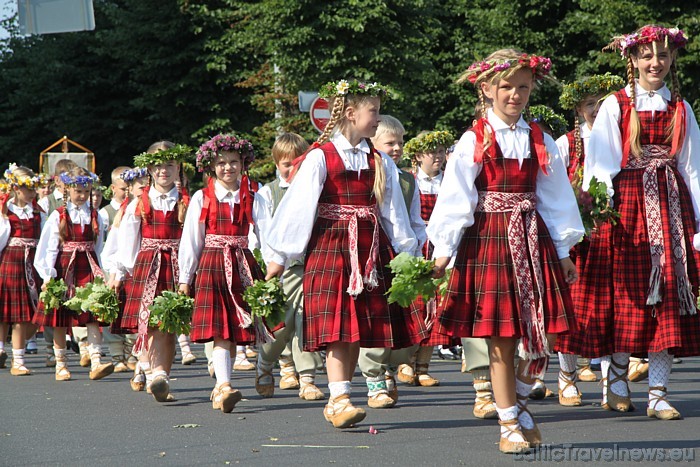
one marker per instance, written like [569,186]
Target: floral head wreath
[178,153]
[14,180]
[224,142]
[133,174]
[344,87]
[482,70]
[671,37]
[79,180]
[427,142]
[574,93]
[544,114]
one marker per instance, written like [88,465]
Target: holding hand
[273,270]
[440,266]
[184,289]
[568,269]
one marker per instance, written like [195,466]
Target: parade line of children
[526,278]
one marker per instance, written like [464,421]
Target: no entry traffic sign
[319,114]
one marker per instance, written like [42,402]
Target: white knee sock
[184,342]
[659,372]
[222,365]
[622,359]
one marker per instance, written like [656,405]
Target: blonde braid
[634,123]
[336,115]
[487,134]
[577,141]
[678,100]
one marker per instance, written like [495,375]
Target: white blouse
[604,157]
[25,213]
[48,248]
[417,223]
[454,210]
[194,232]
[129,240]
[262,212]
[428,185]
[295,217]
[563,143]
[110,253]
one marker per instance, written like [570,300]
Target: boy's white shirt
[455,207]
[44,202]
[193,231]
[426,184]
[295,217]
[563,143]
[262,211]
[48,247]
[105,215]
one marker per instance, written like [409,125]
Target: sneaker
[31,347]
[446,353]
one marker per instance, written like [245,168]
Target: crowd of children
[497,210]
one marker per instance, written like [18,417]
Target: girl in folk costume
[216,245]
[68,249]
[135,179]
[427,151]
[584,97]
[20,226]
[348,245]
[149,237]
[508,214]
[640,275]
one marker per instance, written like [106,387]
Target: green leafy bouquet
[54,295]
[267,301]
[171,313]
[413,277]
[594,204]
[97,298]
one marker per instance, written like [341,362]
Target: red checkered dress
[82,274]
[162,226]
[574,162]
[611,300]
[117,326]
[330,313]
[482,298]
[15,300]
[214,308]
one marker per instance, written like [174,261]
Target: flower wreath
[344,87]
[13,180]
[178,153]
[574,93]
[671,37]
[79,180]
[427,142]
[544,114]
[133,174]
[478,71]
[224,142]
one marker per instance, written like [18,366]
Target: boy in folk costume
[149,238]
[584,97]
[379,366]
[508,214]
[348,245]
[286,149]
[638,285]
[69,248]
[20,226]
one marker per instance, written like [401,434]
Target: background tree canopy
[186,69]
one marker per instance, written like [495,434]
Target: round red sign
[319,114]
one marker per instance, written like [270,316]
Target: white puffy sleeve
[689,162]
[262,212]
[47,248]
[129,240]
[109,253]
[417,222]
[5,229]
[454,209]
[393,214]
[556,203]
[192,241]
[563,146]
[604,155]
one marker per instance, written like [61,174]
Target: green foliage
[267,301]
[261,262]
[95,297]
[594,204]
[413,278]
[171,313]
[54,295]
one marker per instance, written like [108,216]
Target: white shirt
[194,232]
[454,210]
[25,213]
[296,214]
[129,240]
[262,212]
[48,247]
[426,184]
[105,215]
[417,222]
[44,202]
[604,157]
[110,252]
[563,143]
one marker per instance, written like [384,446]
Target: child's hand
[568,269]
[274,270]
[184,289]
[115,285]
[44,286]
[440,265]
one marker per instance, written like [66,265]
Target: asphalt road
[83,422]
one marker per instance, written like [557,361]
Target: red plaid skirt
[482,296]
[117,326]
[331,314]
[15,301]
[166,281]
[610,301]
[214,310]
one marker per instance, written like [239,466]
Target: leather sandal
[506,445]
[569,381]
[664,414]
[616,402]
